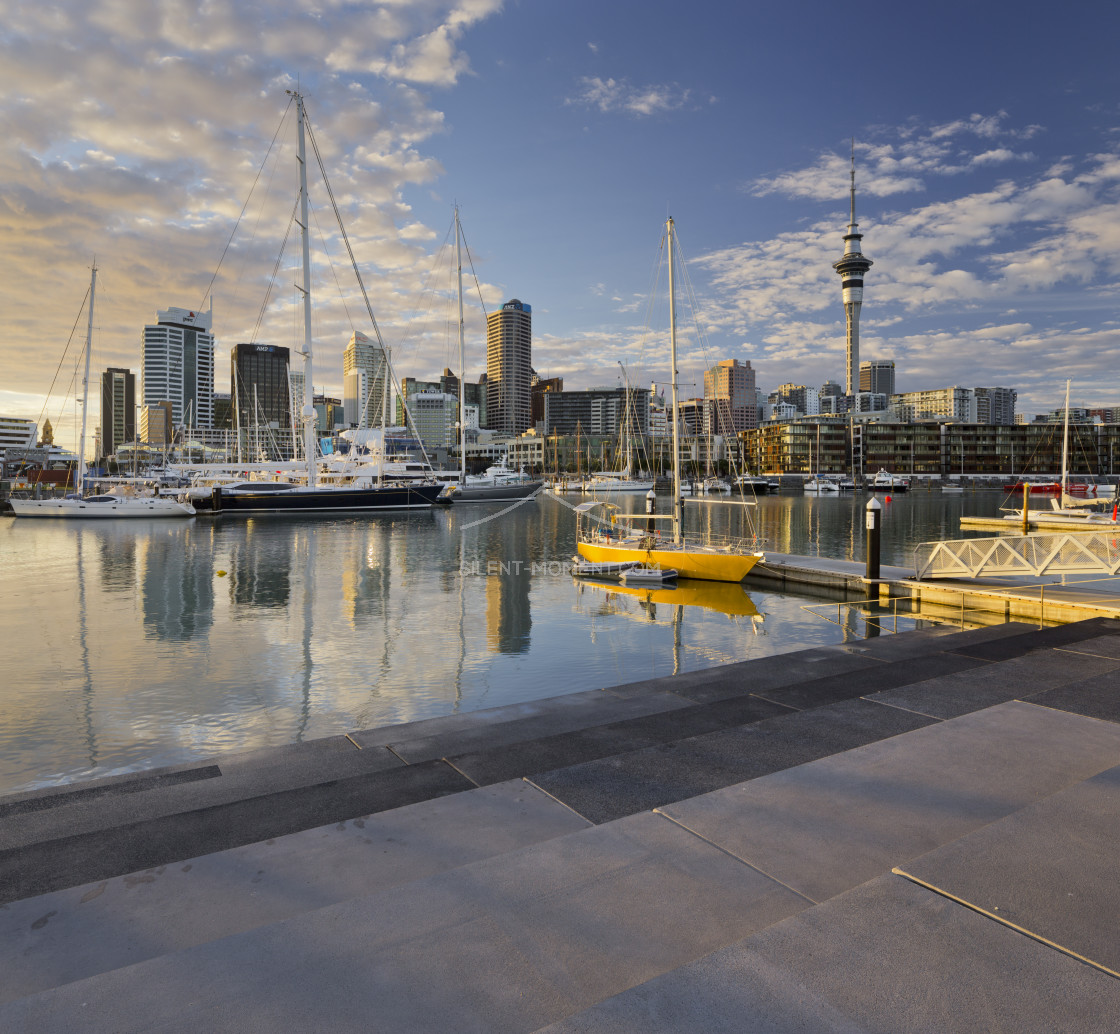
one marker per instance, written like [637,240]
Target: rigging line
[65,352]
[361,283]
[275,274]
[334,272]
[256,179]
[474,274]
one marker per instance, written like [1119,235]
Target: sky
[155,138]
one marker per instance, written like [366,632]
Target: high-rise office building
[509,362]
[118,409]
[877,375]
[730,388]
[260,387]
[178,366]
[365,371]
[852,268]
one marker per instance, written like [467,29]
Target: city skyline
[986,195]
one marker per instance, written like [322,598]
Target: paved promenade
[913,832]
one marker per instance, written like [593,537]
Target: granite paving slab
[506,944]
[1049,869]
[603,710]
[1015,679]
[886,957]
[625,784]
[239,777]
[39,866]
[1096,698]
[1038,638]
[67,935]
[1100,646]
[885,675]
[438,726]
[572,748]
[827,826]
[768,673]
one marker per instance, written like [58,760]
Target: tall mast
[462,368]
[308,397]
[1065,448]
[677,503]
[79,481]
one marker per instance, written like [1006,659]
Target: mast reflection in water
[152,644]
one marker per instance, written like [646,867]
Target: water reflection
[143,654]
[176,580]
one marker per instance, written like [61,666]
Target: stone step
[662,742]
[539,934]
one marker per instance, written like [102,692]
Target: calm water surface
[135,644]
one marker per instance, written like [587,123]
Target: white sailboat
[1066,511]
[99,505]
[618,541]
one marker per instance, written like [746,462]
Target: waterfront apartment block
[932,449]
[509,363]
[995,405]
[178,366]
[597,411]
[952,403]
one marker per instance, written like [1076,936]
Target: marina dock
[1000,599]
[910,832]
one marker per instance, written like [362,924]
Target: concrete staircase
[709,851]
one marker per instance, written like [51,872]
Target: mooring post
[874,519]
[651,509]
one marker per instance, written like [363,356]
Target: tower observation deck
[851,268]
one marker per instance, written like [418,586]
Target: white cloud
[619,95]
[132,130]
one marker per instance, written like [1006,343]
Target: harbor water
[136,644]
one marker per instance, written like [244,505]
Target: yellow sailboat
[615,541]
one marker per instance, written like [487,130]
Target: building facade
[937,404]
[118,409]
[605,412]
[261,388]
[730,387]
[877,375]
[509,363]
[365,372]
[995,405]
[178,366]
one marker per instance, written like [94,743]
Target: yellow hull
[721,597]
[710,566]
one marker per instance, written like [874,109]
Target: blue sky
[987,144]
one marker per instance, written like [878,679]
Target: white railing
[1068,552]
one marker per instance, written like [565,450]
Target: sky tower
[851,269]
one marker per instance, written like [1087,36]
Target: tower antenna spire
[852,268]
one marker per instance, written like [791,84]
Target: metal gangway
[1069,552]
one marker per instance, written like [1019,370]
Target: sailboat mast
[308,397]
[1065,449]
[462,368]
[79,481]
[677,502]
